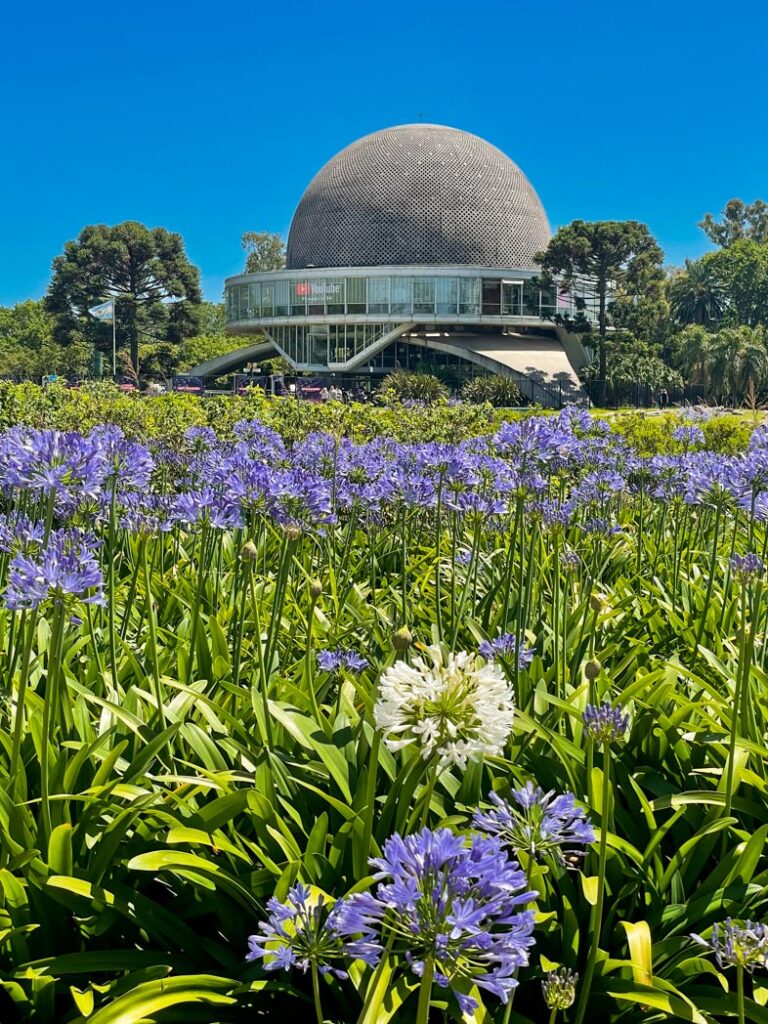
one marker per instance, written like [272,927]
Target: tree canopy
[145,270]
[615,254]
[738,220]
[265,251]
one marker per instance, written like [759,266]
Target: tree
[615,254]
[634,361]
[742,270]
[265,251]
[696,296]
[739,220]
[737,357]
[692,349]
[142,269]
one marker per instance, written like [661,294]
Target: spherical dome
[418,194]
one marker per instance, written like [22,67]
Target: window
[334,294]
[267,298]
[491,297]
[401,295]
[355,294]
[469,295]
[299,290]
[378,295]
[281,298]
[447,294]
[423,295]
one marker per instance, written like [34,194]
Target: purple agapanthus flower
[506,646]
[310,940]
[537,822]
[737,945]
[442,898]
[605,723]
[64,568]
[334,661]
[688,436]
[747,567]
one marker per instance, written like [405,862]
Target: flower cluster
[737,945]
[605,724]
[443,900]
[453,707]
[506,646]
[298,933]
[63,567]
[747,567]
[537,823]
[334,661]
[559,988]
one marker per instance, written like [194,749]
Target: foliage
[615,254]
[500,392]
[141,269]
[178,764]
[742,269]
[739,220]
[265,251]
[28,347]
[633,360]
[412,385]
[696,294]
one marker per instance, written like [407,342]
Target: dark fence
[641,395]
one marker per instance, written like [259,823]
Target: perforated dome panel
[418,194]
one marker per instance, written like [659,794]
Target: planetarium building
[414,247]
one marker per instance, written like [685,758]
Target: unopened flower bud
[249,552]
[596,603]
[592,669]
[402,639]
[559,988]
[315,589]
[291,532]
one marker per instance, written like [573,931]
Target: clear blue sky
[210,119]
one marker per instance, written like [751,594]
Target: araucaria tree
[142,269]
[615,254]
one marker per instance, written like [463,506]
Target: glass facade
[404,297]
[322,344]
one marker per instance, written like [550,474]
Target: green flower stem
[50,713]
[377,987]
[309,675]
[711,580]
[425,991]
[154,659]
[738,706]
[243,581]
[740,994]
[111,535]
[553,1015]
[316,993]
[428,796]
[597,911]
[18,722]
[198,602]
[262,672]
[370,795]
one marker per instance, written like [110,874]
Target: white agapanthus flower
[457,708]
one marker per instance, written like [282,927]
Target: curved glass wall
[404,298]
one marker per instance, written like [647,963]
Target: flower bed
[359,729]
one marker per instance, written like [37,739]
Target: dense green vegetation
[215,643]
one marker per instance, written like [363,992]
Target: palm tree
[693,352]
[696,296]
[737,356]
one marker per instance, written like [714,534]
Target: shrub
[501,392]
[404,385]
